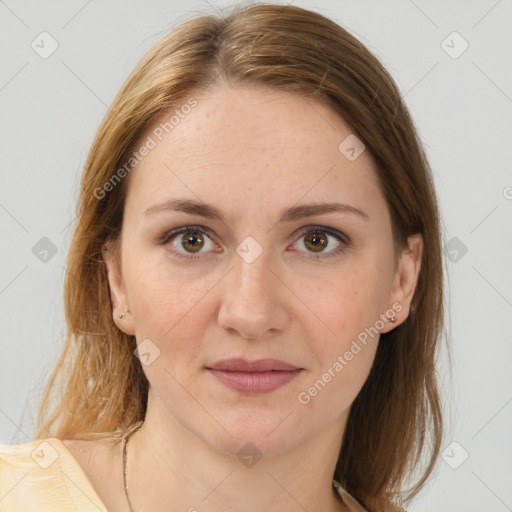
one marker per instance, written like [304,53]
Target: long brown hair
[395,423]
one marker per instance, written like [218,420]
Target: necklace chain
[125,442]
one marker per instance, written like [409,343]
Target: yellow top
[44,476]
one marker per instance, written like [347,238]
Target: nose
[252,300]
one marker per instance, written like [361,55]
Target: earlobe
[406,279]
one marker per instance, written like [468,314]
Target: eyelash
[341,237]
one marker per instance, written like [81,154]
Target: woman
[254,286]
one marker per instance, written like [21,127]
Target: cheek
[344,307]
[345,358]
[346,339]
[167,307]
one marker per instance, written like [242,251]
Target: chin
[253,447]
[256,436]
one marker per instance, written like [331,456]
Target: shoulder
[26,455]
[43,475]
[90,452]
[100,461]
[29,472]
[43,452]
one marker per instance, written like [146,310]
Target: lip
[254,377]
[240,364]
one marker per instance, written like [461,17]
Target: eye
[316,238]
[193,239]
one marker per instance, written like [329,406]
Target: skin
[251,152]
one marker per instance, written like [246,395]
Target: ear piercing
[122,314]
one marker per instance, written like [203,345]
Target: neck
[171,468]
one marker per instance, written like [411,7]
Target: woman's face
[272,280]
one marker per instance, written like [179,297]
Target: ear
[118,295]
[405,281]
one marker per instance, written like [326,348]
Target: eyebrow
[294,213]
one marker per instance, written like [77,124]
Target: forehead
[257,144]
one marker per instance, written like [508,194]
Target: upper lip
[259,365]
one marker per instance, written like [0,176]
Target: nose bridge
[251,304]
[252,279]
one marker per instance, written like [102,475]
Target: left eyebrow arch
[292,214]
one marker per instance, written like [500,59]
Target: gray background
[51,107]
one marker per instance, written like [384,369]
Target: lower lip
[255,382]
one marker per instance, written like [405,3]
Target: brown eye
[195,242]
[318,242]
[189,242]
[192,241]
[315,241]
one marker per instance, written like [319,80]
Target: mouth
[254,377]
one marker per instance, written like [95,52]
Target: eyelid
[342,237]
